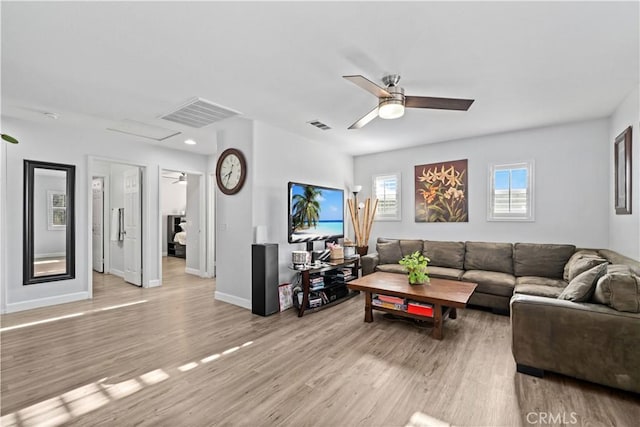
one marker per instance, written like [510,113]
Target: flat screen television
[315,213]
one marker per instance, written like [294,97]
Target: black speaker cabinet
[264,279]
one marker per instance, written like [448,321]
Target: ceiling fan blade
[368,85]
[437,103]
[366,119]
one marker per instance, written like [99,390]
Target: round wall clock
[231,171]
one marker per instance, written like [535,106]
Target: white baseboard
[232,299]
[50,255]
[164,253]
[117,273]
[45,302]
[193,271]
[154,283]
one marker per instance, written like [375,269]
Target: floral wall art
[441,192]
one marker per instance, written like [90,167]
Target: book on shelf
[389,305]
[392,299]
[420,308]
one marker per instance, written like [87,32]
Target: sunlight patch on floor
[68,316]
[90,397]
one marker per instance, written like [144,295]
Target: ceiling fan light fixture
[391,108]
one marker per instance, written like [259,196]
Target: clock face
[230,171]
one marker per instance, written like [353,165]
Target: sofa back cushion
[389,252]
[489,256]
[410,246]
[620,291]
[541,259]
[444,254]
[616,258]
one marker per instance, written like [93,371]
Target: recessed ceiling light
[53,116]
[189,142]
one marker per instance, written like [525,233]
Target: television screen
[315,213]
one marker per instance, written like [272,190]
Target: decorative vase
[362,250]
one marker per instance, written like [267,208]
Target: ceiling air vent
[319,125]
[198,112]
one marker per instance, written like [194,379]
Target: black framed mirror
[49,222]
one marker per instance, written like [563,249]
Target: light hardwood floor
[176,357]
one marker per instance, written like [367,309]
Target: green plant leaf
[9,138]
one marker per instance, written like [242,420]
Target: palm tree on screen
[306,208]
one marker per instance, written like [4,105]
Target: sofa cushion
[444,254]
[619,291]
[541,281]
[578,254]
[583,264]
[391,268]
[581,288]
[410,246]
[489,256]
[389,253]
[538,290]
[491,282]
[445,272]
[540,259]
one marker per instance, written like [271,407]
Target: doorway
[97,223]
[182,218]
[116,210]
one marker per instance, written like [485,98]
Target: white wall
[571,183]
[234,221]
[59,142]
[274,157]
[624,230]
[281,157]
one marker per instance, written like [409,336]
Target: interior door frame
[146,219]
[204,223]
[102,223]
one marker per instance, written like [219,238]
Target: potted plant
[416,266]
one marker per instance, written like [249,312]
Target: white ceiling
[525,64]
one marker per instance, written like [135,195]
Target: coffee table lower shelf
[400,313]
[439,314]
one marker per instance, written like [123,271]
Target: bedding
[180,237]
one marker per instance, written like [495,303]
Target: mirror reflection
[49,222]
[49,228]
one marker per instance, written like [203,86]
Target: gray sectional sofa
[497,268]
[573,311]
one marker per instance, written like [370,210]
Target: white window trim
[529,216]
[398,214]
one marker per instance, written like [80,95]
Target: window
[56,210]
[511,192]
[386,188]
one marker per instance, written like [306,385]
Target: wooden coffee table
[450,294]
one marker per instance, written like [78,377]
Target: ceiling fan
[180,179]
[392,100]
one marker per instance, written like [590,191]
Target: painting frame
[441,192]
[622,172]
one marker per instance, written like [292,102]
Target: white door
[97,228]
[132,227]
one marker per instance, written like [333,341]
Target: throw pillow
[389,253]
[582,286]
[619,291]
[579,254]
[583,264]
